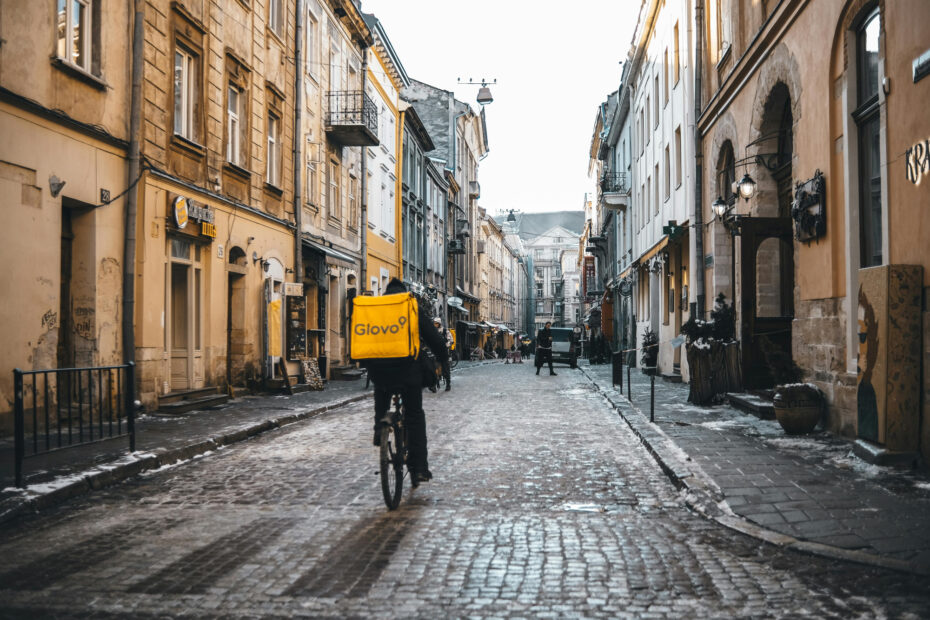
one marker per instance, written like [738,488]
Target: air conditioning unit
[481,247]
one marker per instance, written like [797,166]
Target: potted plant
[798,406]
[650,357]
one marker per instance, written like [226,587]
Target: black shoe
[432,388]
[553,374]
[423,475]
[537,371]
[448,387]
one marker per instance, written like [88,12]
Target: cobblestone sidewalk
[809,493]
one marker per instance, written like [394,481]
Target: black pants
[543,356]
[446,373]
[414,418]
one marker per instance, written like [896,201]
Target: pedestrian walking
[544,348]
[447,336]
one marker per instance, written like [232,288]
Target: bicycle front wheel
[453,359]
[392,466]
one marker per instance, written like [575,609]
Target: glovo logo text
[367,329]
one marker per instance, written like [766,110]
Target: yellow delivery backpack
[385,327]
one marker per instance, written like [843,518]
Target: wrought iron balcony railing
[352,118]
[614,183]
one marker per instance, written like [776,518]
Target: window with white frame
[678,162]
[313,182]
[668,173]
[273,151]
[353,200]
[234,119]
[313,42]
[276,17]
[333,204]
[75,33]
[185,93]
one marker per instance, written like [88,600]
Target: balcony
[615,190]
[352,118]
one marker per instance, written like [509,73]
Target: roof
[532,225]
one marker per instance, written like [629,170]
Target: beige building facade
[64,125]
[215,249]
[819,105]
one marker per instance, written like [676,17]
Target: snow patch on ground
[63,481]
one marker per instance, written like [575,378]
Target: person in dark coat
[544,348]
[390,376]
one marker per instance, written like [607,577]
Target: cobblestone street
[544,504]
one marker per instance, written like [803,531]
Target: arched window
[726,173]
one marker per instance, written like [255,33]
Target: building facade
[64,122]
[816,103]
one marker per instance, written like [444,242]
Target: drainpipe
[298,134]
[363,225]
[132,198]
[698,269]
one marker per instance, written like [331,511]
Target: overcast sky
[554,64]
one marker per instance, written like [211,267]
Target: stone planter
[798,407]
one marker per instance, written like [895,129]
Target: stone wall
[819,348]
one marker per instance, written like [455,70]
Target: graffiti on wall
[867,405]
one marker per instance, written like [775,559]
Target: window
[313,180]
[646,128]
[313,43]
[676,74]
[273,152]
[655,112]
[665,76]
[185,93]
[335,65]
[333,206]
[678,163]
[353,200]
[668,174]
[656,177]
[233,126]
[275,17]
[75,31]
[647,213]
[866,117]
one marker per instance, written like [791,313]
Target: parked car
[564,349]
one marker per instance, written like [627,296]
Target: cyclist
[446,373]
[389,376]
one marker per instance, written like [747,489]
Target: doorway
[236,345]
[184,320]
[767,265]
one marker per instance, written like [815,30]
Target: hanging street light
[484,93]
[747,187]
[719,207]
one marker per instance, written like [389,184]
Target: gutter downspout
[298,134]
[698,269]
[363,225]
[132,198]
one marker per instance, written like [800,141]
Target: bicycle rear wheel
[392,465]
[453,359]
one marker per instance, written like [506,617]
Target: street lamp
[484,93]
[719,207]
[746,186]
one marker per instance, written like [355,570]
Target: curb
[133,464]
[704,496]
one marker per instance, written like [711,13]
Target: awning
[653,250]
[330,253]
[457,307]
[471,298]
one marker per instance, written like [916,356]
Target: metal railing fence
[65,407]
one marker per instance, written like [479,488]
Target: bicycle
[393,454]
[453,358]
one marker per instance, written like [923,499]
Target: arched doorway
[767,248]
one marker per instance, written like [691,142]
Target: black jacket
[406,372]
[544,339]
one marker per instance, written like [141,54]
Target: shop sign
[185,209]
[917,161]
[293,289]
